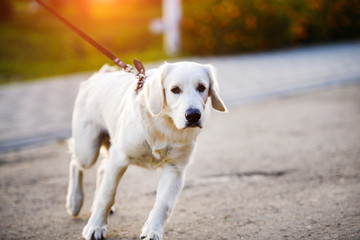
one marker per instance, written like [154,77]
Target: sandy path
[287,168]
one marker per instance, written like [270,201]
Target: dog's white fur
[148,129]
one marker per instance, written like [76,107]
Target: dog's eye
[176,90]
[201,88]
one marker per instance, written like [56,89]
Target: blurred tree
[6,10]
[231,26]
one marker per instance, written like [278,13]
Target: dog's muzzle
[193,116]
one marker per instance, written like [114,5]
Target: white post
[171,20]
[169,25]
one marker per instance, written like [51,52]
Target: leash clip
[128,68]
[140,76]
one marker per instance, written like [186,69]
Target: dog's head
[181,91]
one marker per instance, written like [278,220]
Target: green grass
[36,44]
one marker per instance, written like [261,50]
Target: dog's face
[181,91]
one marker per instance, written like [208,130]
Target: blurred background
[285,167]
[34,44]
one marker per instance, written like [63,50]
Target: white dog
[155,127]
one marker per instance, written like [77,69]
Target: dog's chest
[144,156]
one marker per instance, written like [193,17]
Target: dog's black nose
[193,115]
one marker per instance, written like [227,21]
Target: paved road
[40,111]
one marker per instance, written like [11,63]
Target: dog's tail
[70,143]
[108,68]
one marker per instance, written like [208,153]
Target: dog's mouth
[193,125]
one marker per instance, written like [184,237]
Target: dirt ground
[285,168]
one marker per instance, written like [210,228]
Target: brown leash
[128,68]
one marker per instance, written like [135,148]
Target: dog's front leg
[168,189]
[105,197]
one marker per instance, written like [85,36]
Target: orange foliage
[235,26]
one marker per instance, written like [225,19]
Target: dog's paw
[149,234]
[94,231]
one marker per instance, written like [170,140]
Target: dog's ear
[216,101]
[154,92]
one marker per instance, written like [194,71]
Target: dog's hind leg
[75,194]
[84,147]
